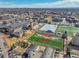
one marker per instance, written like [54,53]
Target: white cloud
[58,4]
[64,3]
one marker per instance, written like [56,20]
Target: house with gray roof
[48,53]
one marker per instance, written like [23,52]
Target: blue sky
[39,3]
[28,1]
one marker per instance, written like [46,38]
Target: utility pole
[31,21]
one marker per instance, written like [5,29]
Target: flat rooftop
[49,27]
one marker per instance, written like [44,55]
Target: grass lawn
[69,29]
[52,42]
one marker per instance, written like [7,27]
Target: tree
[64,35]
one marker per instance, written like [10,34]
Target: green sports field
[52,42]
[71,30]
